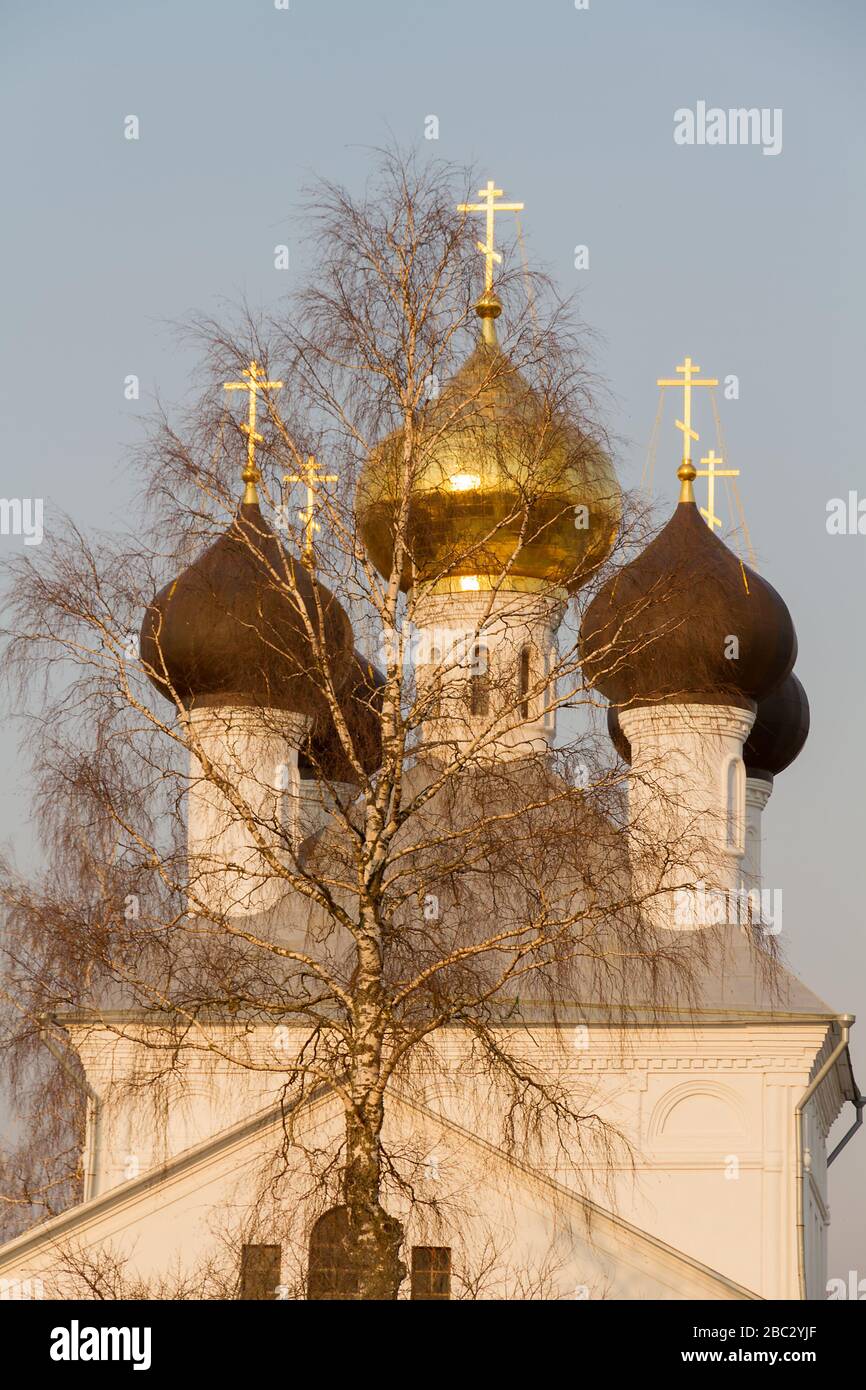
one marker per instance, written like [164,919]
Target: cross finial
[490,207]
[309,476]
[688,380]
[255,382]
[711,472]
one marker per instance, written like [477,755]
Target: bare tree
[258,847]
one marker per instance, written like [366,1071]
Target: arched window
[735,805]
[434,676]
[330,1273]
[524,677]
[479,684]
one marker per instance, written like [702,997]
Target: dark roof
[616,735]
[780,729]
[661,629]
[323,754]
[230,629]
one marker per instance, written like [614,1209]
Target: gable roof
[617,1239]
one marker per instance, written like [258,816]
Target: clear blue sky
[752,264]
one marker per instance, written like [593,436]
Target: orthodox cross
[255,382]
[711,472]
[310,476]
[688,368]
[490,207]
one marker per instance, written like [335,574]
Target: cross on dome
[255,382]
[711,472]
[686,383]
[489,207]
[310,476]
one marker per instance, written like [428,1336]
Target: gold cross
[310,477]
[254,383]
[688,381]
[711,473]
[490,207]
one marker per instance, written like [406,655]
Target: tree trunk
[375,1236]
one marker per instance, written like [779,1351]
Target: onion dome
[687,621]
[230,631]
[322,755]
[780,729]
[499,482]
[616,735]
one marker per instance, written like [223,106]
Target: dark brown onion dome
[229,631]
[780,729]
[322,754]
[661,629]
[616,735]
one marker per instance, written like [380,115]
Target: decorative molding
[694,1090]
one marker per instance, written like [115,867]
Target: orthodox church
[725,1100]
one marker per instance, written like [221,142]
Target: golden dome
[500,483]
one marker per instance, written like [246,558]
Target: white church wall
[255,752]
[512,1233]
[708,1163]
[687,792]
[152,1108]
[482,636]
[817,1119]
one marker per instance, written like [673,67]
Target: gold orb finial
[488,308]
[687,474]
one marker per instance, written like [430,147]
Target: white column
[758,792]
[256,752]
[473,649]
[687,810]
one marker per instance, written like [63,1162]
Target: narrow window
[260,1270]
[434,705]
[735,805]
[523,679]
[479,691]
[431,1272]
[330,1273]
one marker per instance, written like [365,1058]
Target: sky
[751,262]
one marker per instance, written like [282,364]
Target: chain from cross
[310,476]
[255,382]
[689,380]
[490,207]
[711,472]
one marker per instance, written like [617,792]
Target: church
[712,1106]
